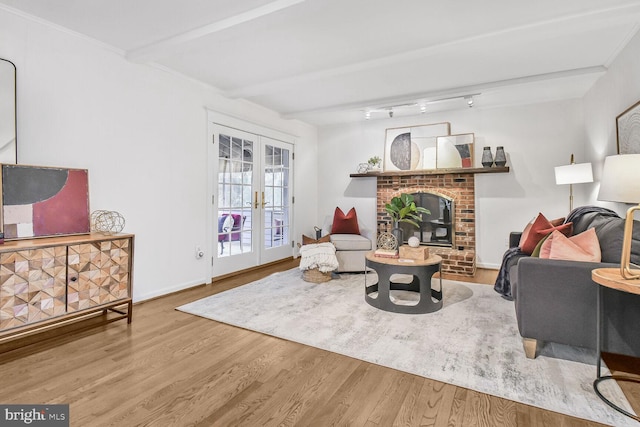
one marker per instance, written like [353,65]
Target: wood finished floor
[169,368]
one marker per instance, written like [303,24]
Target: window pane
[236,196]
[224,196]
[247,151]
[268,155]
[224,150]
[277,156]
[247,175]
[277,197]
[236,149]
[246,195]
[277,178]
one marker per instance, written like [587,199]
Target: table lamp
[621,183]
[574,173]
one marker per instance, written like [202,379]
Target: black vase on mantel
[487,157]
[398,232]
[501,159]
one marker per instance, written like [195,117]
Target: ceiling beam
[285,83]
[447,93]
[156,50]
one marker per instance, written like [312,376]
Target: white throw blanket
[318,255]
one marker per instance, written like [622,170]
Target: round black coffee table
[379,294]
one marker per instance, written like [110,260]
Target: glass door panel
[276,200]
[234,211]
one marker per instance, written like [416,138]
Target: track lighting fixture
[409,108]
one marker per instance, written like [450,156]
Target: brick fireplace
[460,258]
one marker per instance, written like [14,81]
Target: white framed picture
[413,147]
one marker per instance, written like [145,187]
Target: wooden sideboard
[48,282]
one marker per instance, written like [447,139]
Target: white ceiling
[325,61]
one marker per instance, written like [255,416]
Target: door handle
[255,200]
[264,203]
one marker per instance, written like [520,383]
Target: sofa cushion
[610,231]
[345,224]
[581,247]
[350,242]
[611,234]
[538,229]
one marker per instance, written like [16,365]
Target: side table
[611,278]
[421,272]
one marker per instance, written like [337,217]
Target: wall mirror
[8,122]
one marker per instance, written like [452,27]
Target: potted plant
[374,163]
[404,209]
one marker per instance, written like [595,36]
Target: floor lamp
[621,183]
[573,173]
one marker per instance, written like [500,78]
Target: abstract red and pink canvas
[44,201]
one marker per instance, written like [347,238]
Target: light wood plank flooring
[173,369]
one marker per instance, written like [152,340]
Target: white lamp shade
[621,179]
[574,173]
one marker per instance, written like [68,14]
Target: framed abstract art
[412,148]
[455,151]
[44,201]
[628,130]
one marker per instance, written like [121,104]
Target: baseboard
[247,270]
[188,285]
[157,293]
[488,266]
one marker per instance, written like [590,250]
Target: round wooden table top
[406,262]
[612,278]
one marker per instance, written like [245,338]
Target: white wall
[612,94]
[536,138]
[142,133]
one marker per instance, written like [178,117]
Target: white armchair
[350,248]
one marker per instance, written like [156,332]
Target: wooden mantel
[504,169]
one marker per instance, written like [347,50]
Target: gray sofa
[555,300]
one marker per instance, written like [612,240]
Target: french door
[252,199]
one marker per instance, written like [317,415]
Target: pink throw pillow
[581,247]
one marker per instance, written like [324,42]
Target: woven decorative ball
[387,241]
[107,222]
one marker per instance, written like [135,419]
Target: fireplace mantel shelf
[503,169]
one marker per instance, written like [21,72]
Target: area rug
[472,342]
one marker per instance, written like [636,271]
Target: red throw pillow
[540,228]
[345,224]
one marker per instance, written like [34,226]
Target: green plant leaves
[404,209]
